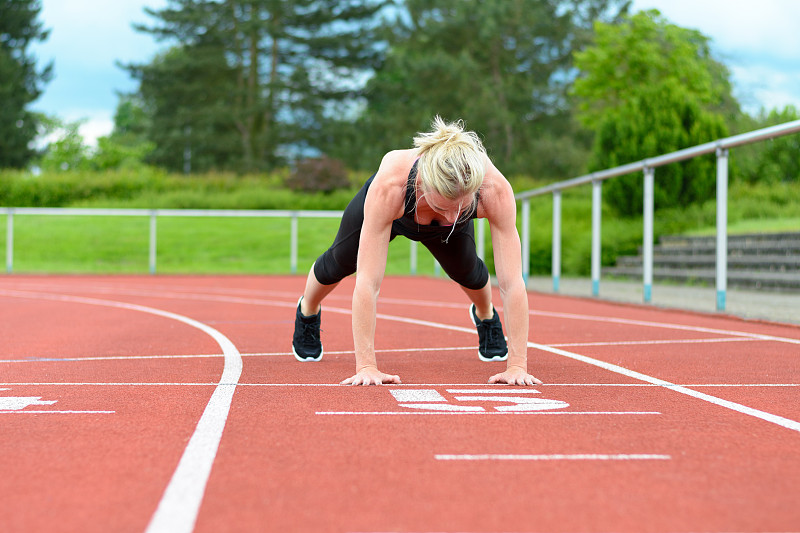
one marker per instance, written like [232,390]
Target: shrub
[317,174]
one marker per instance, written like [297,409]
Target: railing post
[293,245]
[153,242]
[722,227]
[556,261]
[10,241]
[596,212]
[647,259]
[526,239]
[413,255]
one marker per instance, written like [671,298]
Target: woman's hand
[370,375]
[515,375]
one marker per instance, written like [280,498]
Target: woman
[430,194]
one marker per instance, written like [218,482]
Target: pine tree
[266,70]
[20,82]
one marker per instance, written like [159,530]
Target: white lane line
[177,511]
[485,413]
[34,359]
[504,390]
[662,325]
[554,457]
[38,412]
[443,349]
[763,415]
[655,342]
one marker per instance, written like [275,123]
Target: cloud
[757,41]
[87,39]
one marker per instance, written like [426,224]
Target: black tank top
[410,228]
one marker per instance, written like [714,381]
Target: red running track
[174,404]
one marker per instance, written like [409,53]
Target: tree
[501,65]
[67,151]
[20,82]
[185,93]
[770,161]
[275,68]
[127,146]
[648,87]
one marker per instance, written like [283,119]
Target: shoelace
[310,333]
[491,335]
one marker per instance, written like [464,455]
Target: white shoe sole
[480,356]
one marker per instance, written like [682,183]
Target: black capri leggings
[456,254]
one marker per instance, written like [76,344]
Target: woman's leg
[314,293]
[482,298]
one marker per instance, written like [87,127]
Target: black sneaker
[306,343]
[491,342]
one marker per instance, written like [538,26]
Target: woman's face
[449,210]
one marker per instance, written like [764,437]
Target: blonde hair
[452,162]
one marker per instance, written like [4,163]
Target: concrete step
[748,239]
[760,248]
[769,263]
[756,244]
[736,278]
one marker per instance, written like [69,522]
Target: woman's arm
[500,209]
[384,203]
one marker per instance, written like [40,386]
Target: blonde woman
[429,194]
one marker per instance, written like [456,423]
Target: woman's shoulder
[398,162]
[496,193]
[389,185]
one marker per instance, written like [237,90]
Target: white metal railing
[647,166]
[153,214]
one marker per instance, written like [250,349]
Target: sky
[758,41]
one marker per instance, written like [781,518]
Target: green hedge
[153,188]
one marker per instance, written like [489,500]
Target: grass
[100,244]
[743,227]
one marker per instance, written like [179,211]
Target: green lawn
[101,244]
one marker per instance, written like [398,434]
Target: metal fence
[155,214]
[647,166]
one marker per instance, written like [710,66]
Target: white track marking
[507,390]
[445,407]
[33,359]
[520,403]
[654,342]
[486,413]
[57,412]
[769,417]
[504,390]
[662,325]
[443,349]
[177,511]
[18,403]
[417,395]
[555,457]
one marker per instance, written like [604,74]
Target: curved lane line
[179,506]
